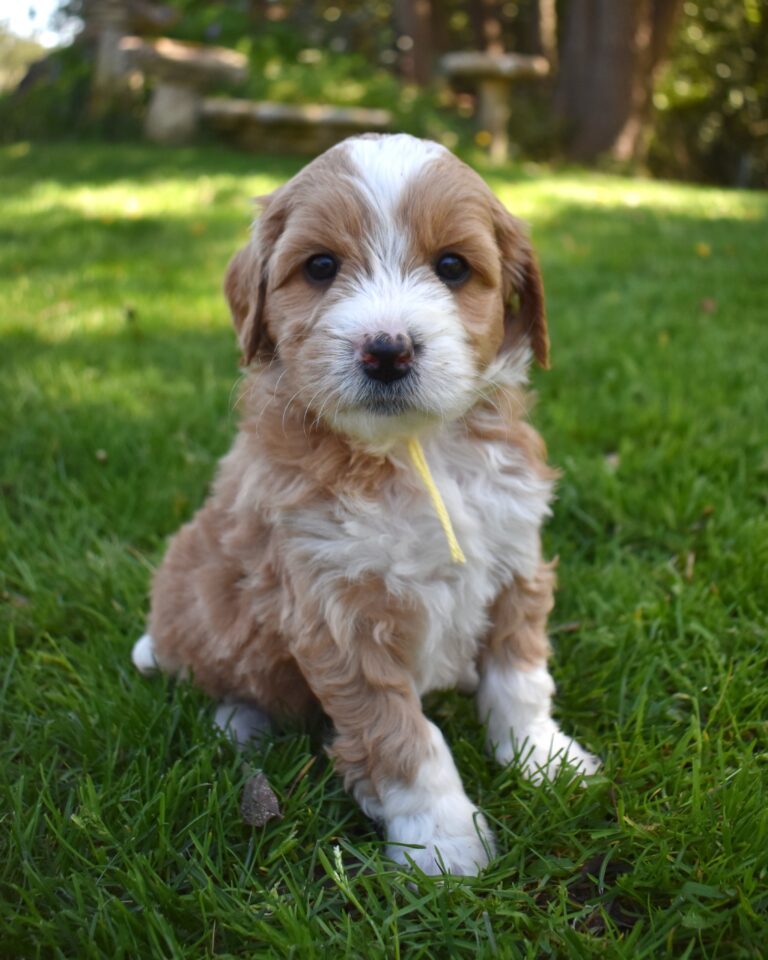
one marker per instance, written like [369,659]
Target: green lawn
[121,834]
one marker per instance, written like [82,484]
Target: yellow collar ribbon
[416,453]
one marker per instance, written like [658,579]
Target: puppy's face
[386,279]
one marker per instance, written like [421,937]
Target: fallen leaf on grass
[258,804]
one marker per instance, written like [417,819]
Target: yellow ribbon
[416,453]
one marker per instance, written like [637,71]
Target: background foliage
[710,103]
[16,54]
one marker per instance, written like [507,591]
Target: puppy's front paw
[542,749]
[452,837]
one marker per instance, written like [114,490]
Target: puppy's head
[389,283]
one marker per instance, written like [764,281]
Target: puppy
[388,307]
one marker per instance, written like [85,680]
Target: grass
[121,834]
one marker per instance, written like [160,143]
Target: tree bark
[486,25]
[655,20]
[110,22]
[413,19]
[440,34]
[610,53]
[540,30]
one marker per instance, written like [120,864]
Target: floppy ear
[246,282]
[522,288]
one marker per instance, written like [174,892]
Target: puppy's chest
[496,503]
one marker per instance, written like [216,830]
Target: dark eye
[452,268]
[322,267]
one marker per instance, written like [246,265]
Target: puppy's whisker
[318,418]
[286,409]
[270,399]
[482,396]
[230,404]
[336,411]
[307,408]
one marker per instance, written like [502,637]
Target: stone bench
[181,72]
[289,128]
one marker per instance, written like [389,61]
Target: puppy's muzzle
[387,358]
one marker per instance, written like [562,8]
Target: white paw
[542,749]
[242,722]
[143,656]
[443,840]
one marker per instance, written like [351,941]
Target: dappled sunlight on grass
[601,191]
[132,199]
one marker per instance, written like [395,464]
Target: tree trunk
[413,21]
[653,26]
[441,35]
[109,20]
[548,30]
[486,25]
[540,30]
[610,52]
[257,11]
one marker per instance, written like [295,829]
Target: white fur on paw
[444,840]
[542,749]
[242,722]
[431,821]
[143,656]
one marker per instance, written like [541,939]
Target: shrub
[711,103]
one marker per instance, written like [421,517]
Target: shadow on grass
[97,164]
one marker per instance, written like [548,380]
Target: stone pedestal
[495,74]
[110,73]
[173,113]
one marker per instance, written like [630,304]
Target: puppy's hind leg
[143,656]
[243,722]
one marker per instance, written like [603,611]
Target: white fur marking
[386,164]
[496,502]
[432,821]
[516,705]
[244,723]
[143,656]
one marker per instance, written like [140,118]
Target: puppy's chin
[381,416]
[378,431]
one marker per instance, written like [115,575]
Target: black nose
[387,358]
